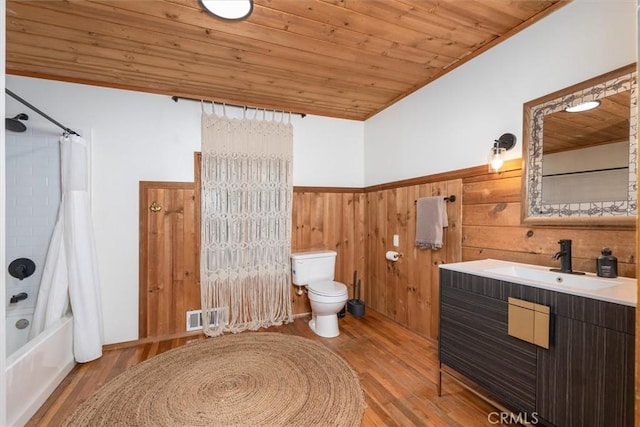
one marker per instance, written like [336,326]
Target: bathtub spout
[16,298]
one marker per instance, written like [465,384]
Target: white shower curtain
[246,223]
[70,272]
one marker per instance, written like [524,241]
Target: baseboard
[151,340]
[299,315]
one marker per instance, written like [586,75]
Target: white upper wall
[451,123]
[138,136]
[328,153]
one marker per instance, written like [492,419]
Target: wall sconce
[500,146]
[229,10]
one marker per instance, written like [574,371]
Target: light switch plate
[396,240]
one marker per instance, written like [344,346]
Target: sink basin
[554,278]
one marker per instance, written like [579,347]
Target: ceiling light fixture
[585,106]
[500,146]
[230,10]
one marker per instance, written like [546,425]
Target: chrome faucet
[564,256]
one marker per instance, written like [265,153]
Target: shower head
[14,124]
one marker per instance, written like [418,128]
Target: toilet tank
[308,267]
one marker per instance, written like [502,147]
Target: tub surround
[621,290]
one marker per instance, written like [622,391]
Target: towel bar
[451,199]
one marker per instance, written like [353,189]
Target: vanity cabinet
[584,378]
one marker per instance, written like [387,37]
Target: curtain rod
[55,122]
[177,98]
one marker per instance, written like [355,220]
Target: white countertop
[623,291]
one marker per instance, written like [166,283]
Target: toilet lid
[327,288]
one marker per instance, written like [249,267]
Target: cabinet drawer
[599,313]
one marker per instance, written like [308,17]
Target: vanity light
[230,10]
[500,147]
[585,106]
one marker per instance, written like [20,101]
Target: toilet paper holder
[393,256]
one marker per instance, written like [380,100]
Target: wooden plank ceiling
[336,58]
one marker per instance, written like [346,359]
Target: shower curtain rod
[176,98]
[22,101]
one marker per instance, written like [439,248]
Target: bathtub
[17,337]
[35,369]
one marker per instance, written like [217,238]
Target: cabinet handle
[155,207]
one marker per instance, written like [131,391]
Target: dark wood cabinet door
[474,342]
[586,377]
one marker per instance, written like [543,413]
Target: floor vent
[195,322]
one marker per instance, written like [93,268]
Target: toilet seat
[328,288]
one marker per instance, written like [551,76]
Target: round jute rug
[248,379]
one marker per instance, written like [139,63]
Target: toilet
[315,270]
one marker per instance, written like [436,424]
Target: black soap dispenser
[607,264]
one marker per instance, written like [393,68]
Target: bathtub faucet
[20,297]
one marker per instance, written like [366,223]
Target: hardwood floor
[398,371]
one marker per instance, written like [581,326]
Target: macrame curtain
[245,222]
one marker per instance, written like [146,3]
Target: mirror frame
[619,212]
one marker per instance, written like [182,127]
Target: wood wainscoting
[491,228]
[484,222]
[169,272]
[329,218]
[407,290]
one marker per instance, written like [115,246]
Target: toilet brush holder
[356,306]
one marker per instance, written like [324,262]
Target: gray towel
[431,217]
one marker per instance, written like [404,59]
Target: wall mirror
[579,168]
